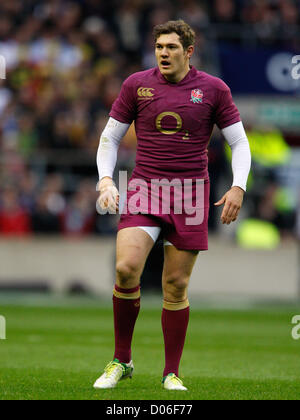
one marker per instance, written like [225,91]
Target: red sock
[126,305]
[175,319]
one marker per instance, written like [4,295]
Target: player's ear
[190,51]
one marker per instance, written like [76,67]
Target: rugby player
[174,108]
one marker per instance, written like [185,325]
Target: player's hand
[232,201]
[109,195]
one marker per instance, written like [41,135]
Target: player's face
[172,59]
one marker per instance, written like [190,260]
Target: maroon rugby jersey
[174,121]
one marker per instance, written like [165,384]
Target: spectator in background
[194,13]
[79,216]
[14,221]
[224,11]
[289,24]
[128,20]
[61,133]
[264,19]
[27,187]
[27,134]
[54,187]
[274,208]
[5,96]
[44,221]
[49,206]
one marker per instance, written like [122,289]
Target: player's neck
[176,78]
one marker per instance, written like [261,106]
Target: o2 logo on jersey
[2,67]
[296,69]
[296,329]
[160,117]
[197,96]
[158,124]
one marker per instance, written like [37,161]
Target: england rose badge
[197,96]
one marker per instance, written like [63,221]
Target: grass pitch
[57,352]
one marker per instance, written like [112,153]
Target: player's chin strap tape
[176,306]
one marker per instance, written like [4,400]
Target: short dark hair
[182,29]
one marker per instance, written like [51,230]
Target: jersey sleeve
[124,107]
[226,112]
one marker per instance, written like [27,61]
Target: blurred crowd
[65,63]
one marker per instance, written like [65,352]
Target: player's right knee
[127,274]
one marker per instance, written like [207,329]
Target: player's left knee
[176,285]
[178,280]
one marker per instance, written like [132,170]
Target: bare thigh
[133,248]
[178,267]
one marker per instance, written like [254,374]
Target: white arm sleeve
[108,147]
[236,137]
